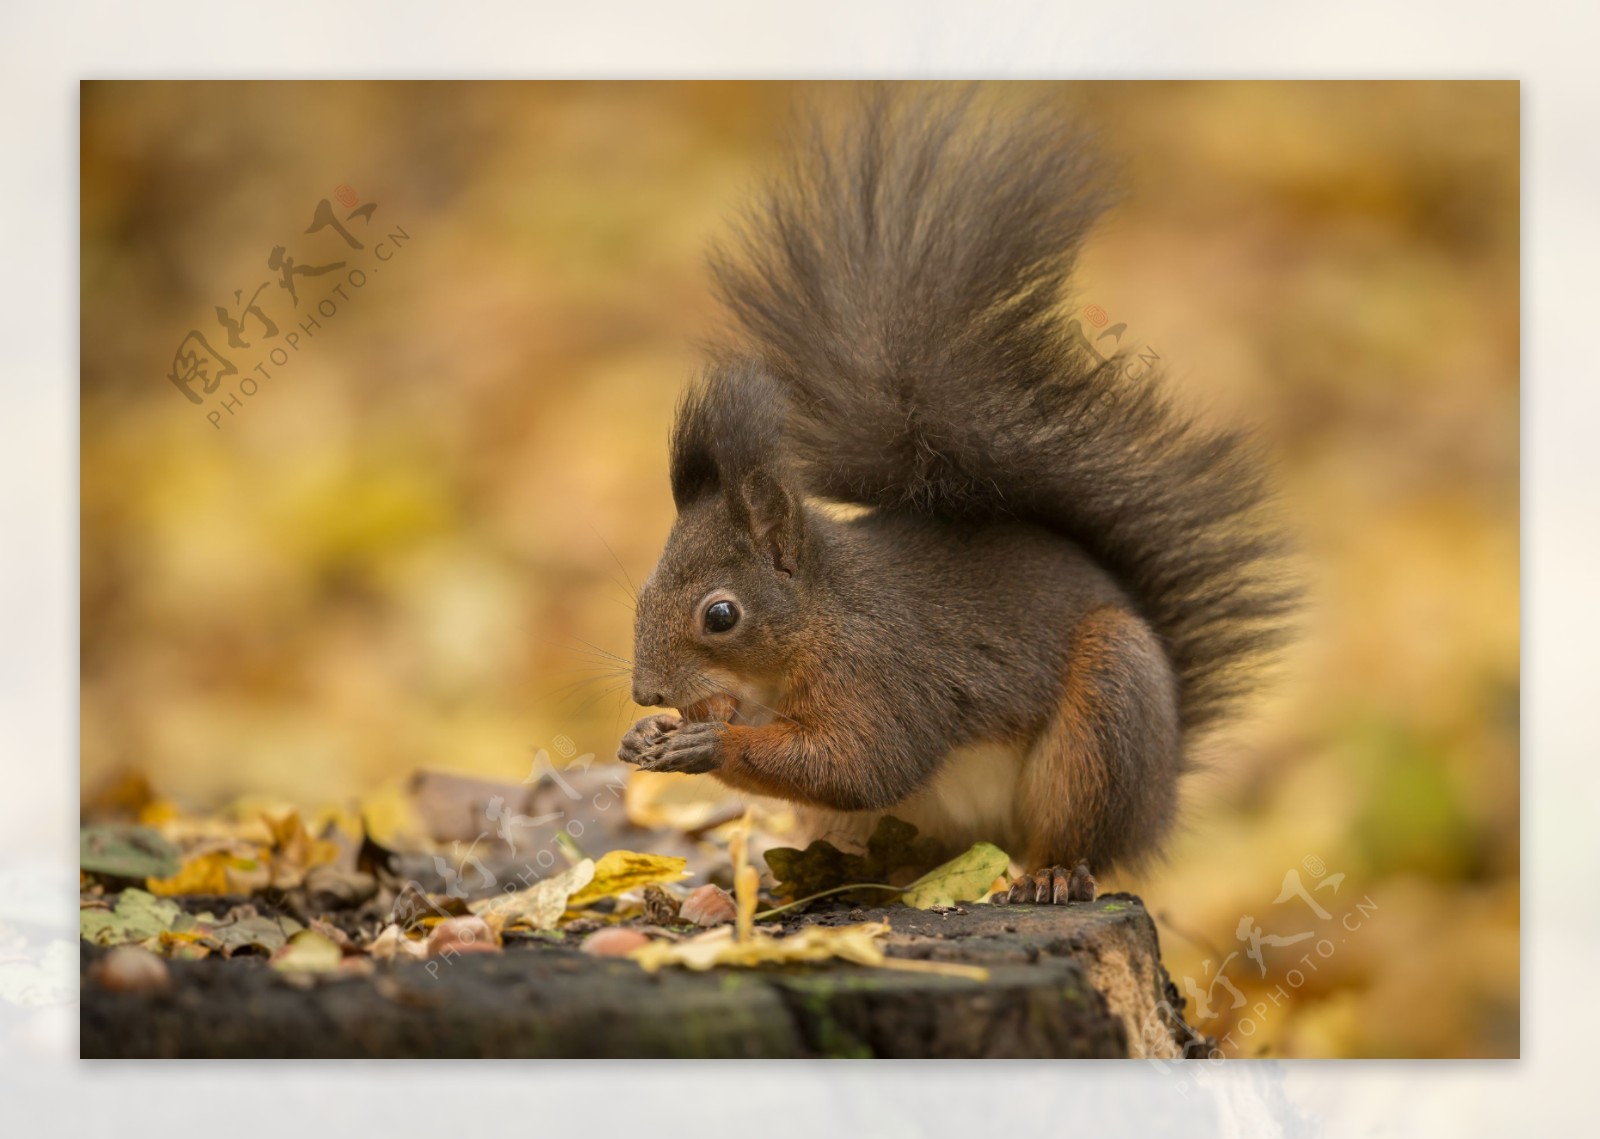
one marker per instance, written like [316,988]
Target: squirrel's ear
[772,517]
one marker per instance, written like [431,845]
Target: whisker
[593,653]
[592,701]
[620,659]
[632,589]
[577,687]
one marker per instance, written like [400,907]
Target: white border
[46,48]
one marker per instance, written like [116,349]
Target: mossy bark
[1084,980]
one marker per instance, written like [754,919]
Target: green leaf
[252,932]
[126,852]
[138,916]
[965,878]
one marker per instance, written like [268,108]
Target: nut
[131,969]
[615,942]
[709,905]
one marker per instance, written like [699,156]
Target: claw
[1051,886]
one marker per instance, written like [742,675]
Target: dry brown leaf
[541,905]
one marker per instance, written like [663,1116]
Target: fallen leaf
[893,853]
[295,851]
[333,887]
[184,945]
[138,916]
[859,944]
[307,952]
[213,872]
[393,942]
[965,878]
[249,930]
[541,905]
[658,800]
[389,818]
[413,907]
[622,870]
[126,852]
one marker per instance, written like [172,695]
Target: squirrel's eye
[721,616]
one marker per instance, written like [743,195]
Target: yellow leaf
[188,945]
[623,870]
[859,944]
[389,816]
[541,905]
[214,872]
[158,813]
[660,800]
[294,851]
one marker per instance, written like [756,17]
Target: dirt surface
[1083,980]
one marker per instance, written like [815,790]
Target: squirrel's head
[718,617]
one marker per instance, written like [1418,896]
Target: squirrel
[933,556]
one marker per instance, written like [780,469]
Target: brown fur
[1049,557]
[1103,775]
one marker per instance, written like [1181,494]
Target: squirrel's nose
[647,699]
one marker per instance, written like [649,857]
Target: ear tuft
[771,515]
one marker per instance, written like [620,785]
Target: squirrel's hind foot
[1054,885]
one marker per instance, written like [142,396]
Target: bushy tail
[904,285]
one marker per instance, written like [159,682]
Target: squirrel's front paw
[646,734]
[690,749]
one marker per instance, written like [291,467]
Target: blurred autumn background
[396,553]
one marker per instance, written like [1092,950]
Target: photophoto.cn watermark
[262,331]
[506,825]
[1323,921]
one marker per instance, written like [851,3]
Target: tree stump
[1081,980]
